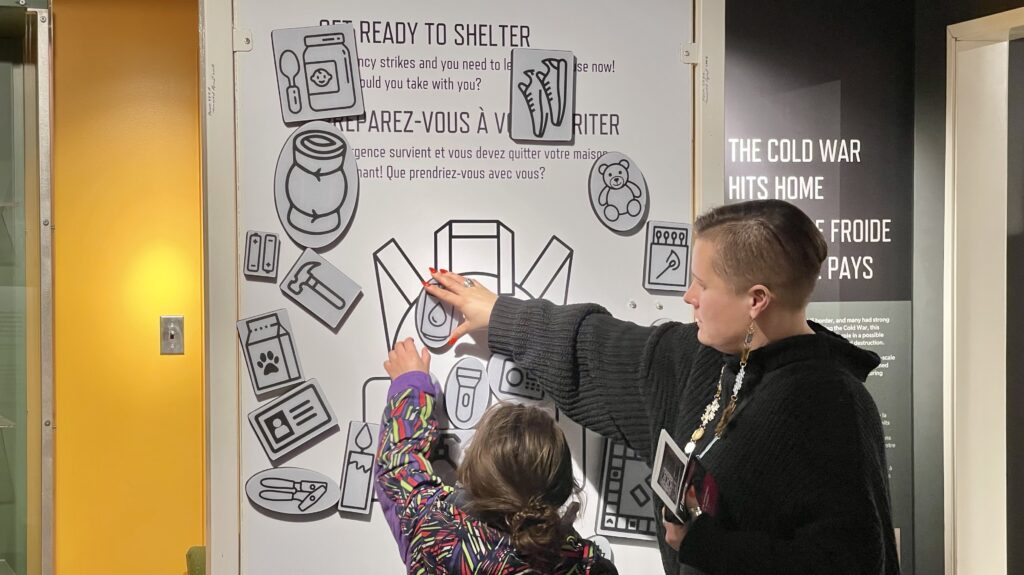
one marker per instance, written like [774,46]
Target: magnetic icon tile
[292,491]
[667,256]
[618,193]
[322,289]
[269,351]
[293,421]
[262,250]
[543,95]
[316,185]
[357,478]
[317,72]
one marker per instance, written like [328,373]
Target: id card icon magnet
[294,420]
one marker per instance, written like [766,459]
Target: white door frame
[974,301]
[220,287]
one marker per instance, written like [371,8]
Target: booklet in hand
[674,473]
[704,485]
[669,473]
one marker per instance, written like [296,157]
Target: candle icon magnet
[356,484]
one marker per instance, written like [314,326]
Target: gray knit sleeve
[617,378]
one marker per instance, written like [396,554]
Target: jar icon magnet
[329,79]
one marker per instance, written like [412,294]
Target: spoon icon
[289,66]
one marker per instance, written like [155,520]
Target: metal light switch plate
[172,335]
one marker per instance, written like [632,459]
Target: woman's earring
[743,360]
[746,344]
[738,383]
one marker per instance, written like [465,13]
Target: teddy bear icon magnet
[618,193]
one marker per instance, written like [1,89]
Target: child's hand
[404,358]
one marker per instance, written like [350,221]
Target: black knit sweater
[801,467]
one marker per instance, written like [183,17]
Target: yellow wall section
[128,248]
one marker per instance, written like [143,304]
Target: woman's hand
[404,359]
[674,532]
[475,302]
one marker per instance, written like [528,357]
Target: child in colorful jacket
[503,517]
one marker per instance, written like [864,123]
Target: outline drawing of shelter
[448,253]
[457,241]
[486,248]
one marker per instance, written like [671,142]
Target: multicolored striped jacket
[433,534]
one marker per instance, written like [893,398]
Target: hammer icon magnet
[320,288]
[306,279]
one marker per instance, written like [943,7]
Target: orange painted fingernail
[432,270]
[444,271]
[452,340]
[426,284]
